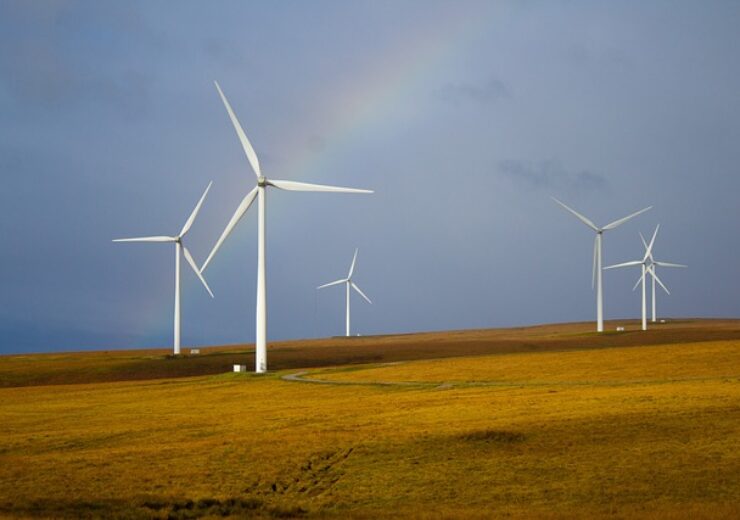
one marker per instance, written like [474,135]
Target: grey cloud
[482,94]
[43,11]
[40,76]
[224,51]
[596,58]
[41,65]
[551,175]
[316,143]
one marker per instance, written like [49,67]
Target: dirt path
[298,377]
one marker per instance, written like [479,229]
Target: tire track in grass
[299,377]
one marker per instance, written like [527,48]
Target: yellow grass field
[627,431]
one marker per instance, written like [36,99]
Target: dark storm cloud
[480,94]
[585,56]
[224,51]
[552,176]
[38,76]
[50,58]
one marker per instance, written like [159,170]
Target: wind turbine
[652,269]
[349,283]
[644,263]
[179,247]
[260,191]
[596,275]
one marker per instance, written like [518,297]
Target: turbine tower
[652,269]
[596,275]
[179,248]
[349,283]
[260,192]
[644,263]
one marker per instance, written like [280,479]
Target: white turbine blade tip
[147,239]
[669,264]
[197,272]
[336,282]
[648,251]
[194,213]
[622,220]
[580,217]
[624,264]
[305,186]
[354,286]
[238,214]
[246,145]
[655,276]
[352,265]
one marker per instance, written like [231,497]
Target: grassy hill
[551,421]
[133,365]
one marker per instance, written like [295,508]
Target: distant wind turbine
[260,191]
[652,269]
[348,283]
[596,275]
[644,264]
[179,247]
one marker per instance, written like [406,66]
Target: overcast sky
[464,117]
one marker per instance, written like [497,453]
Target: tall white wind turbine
[596,275]
[179,248]
[644,265]
[348,283]
[652,269]
[260,191]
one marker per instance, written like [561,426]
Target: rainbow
[366,105]
[363,108]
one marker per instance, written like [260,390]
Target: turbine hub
[262,181]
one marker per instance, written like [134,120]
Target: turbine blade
[624,264]
[194,214]
[669,264]
[190,260]
[304,186]
[644,243]
[625,219]
[238,214]
[637,284]
[655,276]
[352,267]
[251,155]
[343,280]
[649,250]
[147,239]
[361,293]
[577,215]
